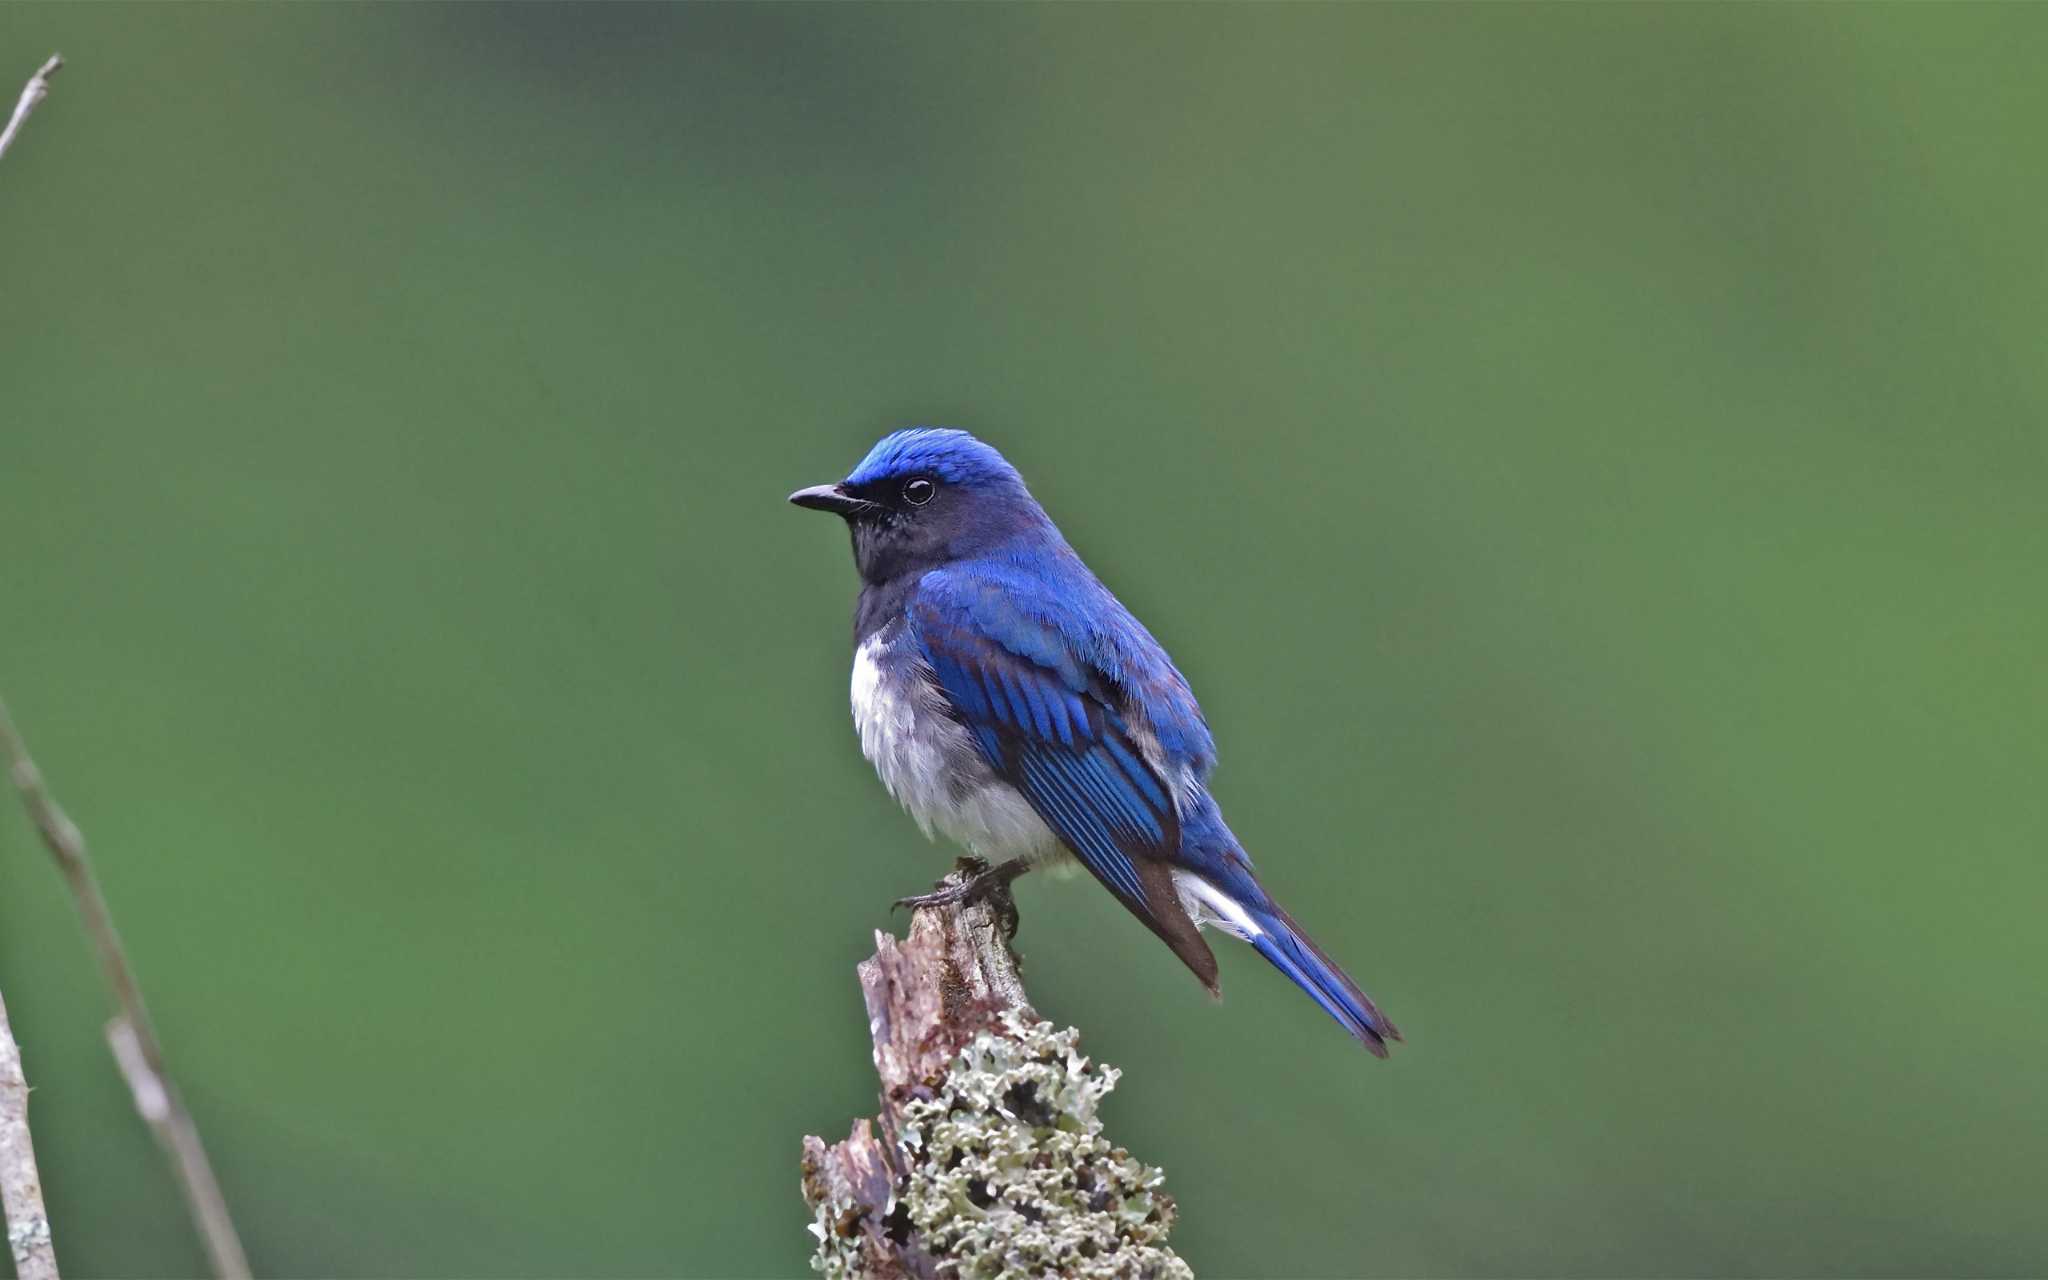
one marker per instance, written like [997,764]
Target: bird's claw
[946,897]
[972,881]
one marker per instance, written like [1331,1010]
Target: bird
[1010,702]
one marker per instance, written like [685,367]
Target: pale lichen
[841,1255]
[853,1207]
[1010,1174]
[990,1160]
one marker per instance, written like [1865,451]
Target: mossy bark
[990,1160]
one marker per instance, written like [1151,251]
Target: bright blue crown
[941,452]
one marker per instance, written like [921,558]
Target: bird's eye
[917,491]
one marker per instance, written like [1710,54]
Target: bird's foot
[946,896]
[970,882]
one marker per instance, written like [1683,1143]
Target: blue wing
[1057,684]
[1051,726]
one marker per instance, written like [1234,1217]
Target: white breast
[932,768]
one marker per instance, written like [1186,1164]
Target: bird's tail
[1244,909]
[1295,954]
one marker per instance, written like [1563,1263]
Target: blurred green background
[1589,460]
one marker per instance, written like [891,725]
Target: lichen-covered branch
[990,1160]
[130,1035]
[21,1187]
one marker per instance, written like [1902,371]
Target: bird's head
[925,496]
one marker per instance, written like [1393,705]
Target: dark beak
[830,497]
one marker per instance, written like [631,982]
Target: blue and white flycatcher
[1010,701]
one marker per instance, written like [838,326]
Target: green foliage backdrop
[1589,460]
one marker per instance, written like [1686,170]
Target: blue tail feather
[1292,952]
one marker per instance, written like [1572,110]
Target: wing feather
[1061,735]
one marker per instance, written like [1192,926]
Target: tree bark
[21,1187]
[989,1160]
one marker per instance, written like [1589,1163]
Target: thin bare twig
[35,91]
[21,1189]
[131,1035]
